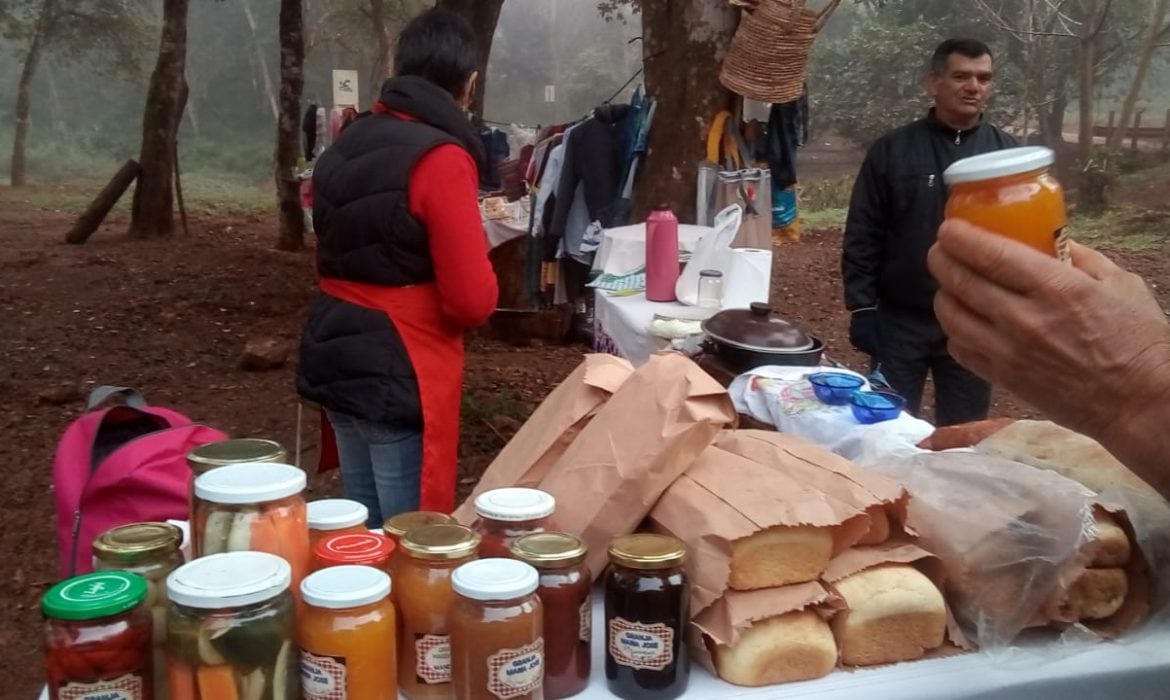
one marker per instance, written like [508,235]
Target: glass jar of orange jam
[356,549]
[333,516]
[1012,193]
[346,635]
[508,514]
[398,525]
[425,598]
[497,632]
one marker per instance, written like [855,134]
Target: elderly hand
[1086,343]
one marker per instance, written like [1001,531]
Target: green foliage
[871,81]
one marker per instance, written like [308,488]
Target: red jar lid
[359,548]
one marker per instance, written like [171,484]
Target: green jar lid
[93,596]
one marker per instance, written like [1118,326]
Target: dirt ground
[171,317]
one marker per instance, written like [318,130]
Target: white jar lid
[515,504]
[251,482]
[229,580]
[336,514]
[1010,161]
[341,587]
[495,579]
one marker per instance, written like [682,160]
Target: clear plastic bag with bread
[1022,547]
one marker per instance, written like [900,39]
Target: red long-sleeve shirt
[444,191]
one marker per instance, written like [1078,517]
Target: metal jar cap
[647,551]
[440,542]
[551,550]
[136,542]
[398,525]
[234,451]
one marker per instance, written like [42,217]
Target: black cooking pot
[748,338]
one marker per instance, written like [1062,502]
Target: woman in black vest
[404,272]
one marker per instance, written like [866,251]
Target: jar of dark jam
[564,591]
[646,613]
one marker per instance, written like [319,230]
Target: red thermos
[661,254]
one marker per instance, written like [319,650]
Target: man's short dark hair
[971,48]
[439,46]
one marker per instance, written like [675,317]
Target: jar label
[432,654]
[127,687]
[640,646]
[516,672]
[322,677]
[585,632]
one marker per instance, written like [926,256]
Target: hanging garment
[309,129]
[783,139]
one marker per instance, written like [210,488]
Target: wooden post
[1109,129]
[1137,125]
[93,216]
[1166,133]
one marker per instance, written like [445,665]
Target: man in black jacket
[894,215]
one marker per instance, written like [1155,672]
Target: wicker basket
[769,53]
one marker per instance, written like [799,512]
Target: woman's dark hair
[440,47]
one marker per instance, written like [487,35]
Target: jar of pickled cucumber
[230,629]
[151,550]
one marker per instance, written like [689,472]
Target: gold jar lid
[647,551]
[234,451]
[550,550]
[398,525]
[131,543]
[440,542]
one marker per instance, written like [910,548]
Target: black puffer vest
[352,358]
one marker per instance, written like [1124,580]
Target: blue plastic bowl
[834,388]
[876,406]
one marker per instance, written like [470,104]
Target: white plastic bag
[713,252]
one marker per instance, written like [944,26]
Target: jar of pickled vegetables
[346,634]
[1013,193]
[647,599]
[204,458]
[253,507]
[565,597]
[497,640]
[230,629]
[151,550]
[424,603]
[505,514]
[358,549]
[98,637]
[334,516]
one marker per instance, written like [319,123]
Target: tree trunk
[683,47]
[153,212]
[1086,84]
[292,83]
[482,15]
[44,26]
[384,62]
[1052,120]
[260,62]
[1155,32]
[101,205]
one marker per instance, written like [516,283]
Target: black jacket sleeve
[867,230]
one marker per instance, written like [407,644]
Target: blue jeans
[380,466]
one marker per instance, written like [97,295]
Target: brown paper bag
[551,428]
[635,447]
[727,619]
[724,497]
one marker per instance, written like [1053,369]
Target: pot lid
[756,328]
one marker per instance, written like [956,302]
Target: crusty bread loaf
[1113,548]
[879,526]
[1094,595]
[796,646]
[894,613]
[779,556]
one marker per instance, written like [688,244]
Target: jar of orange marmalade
[424,599]
[396,526]
[497,632]
[347,635]
[1012,193]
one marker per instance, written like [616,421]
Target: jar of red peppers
[98,637]
[506,514]
[565,597]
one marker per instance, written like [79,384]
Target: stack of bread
[1098,592]
[800,562]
